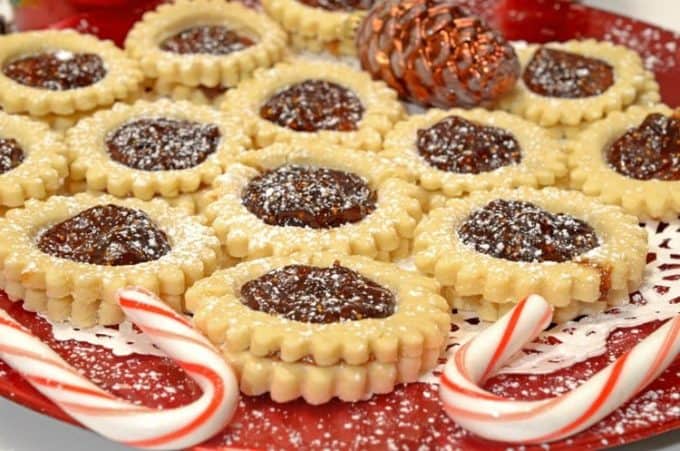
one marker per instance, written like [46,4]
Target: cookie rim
[91,162]
[492,311]
[177,92]
[246,236]
[548,111]
[122,80]
[142,43]
[622,252]
[591,174]
[420,323]
[381,106]
[313,28]
[84,293]
[45,165]
[286,381]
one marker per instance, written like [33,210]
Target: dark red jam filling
[340,5]
[649,151]
[318,295]
[162,144]
[211,40]
[523,232]
[314,105]
[457,145]
[11,154]
[555,73]
[107,235]
[302,196]
[56,71]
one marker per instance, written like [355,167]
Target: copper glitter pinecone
[435,53]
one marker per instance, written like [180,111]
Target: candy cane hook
[120,420]
[497,418]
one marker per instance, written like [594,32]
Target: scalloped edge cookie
[591,174]
[316,29]
[198,95]
[382,108]
[419,324]
[616,264]
[91,161]
[45,165]
[629,75]
[339,48]
[543,162]
[649,96]
[86,294]
[122,80]
[286,381]
[143,40]
[492,311]
[378,235]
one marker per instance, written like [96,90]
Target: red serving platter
[411,416]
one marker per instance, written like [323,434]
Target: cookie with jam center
[290,198]
[75,73]
[153,148]
[631,159]
[66,257]
[575,82]
[204,43]
[457,152]
[335,325]
[492,249]
[307,101]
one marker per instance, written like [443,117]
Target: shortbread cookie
[322,325]
[501,246]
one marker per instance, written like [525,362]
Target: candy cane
[496,418]
[120,420]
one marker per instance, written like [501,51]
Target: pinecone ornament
[433,52]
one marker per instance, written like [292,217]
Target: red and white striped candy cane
[497,418]
[120,420]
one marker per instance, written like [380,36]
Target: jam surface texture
[314,105]
[162,144]
[302,196]
[455,144]
[210,40]
[56,71]
[318,295]
[556,73]
[11,154]
[108,235]
[523,232]
[649,151]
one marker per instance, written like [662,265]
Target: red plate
[411,416]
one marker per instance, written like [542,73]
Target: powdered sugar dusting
[318,295]
[306,196]
[656,53]
[162,144]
